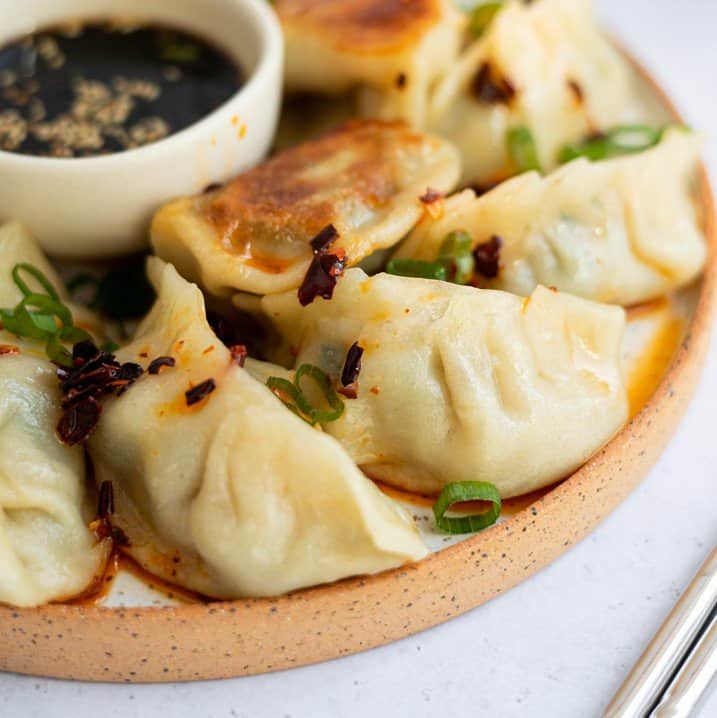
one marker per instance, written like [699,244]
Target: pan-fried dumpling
[543,65]
[392,51]
[623,230]
[462,384]
[234,495]
[254,235]
[47,552]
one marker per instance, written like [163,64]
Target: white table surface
[559,644]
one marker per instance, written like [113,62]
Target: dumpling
[461,384]
[233,495]
[47,552]
[623,230]
[543,65]
[254,235]
[392,51]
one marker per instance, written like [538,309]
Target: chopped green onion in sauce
[621,140]
[36,316]
[522,150]
[460,492]
[293,396]
[481,17]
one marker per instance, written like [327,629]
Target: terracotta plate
[171,642]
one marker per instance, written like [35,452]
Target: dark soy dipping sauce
[98,88]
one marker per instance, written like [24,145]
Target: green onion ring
[56,351]
[417,268]
[522,149]
[336,405]
[466,491]
[293,397]
[38,275]
[48,305]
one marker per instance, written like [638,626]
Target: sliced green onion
[459,492]
[38,275]
[417,268]
[455,253]
[23,324]
[48,305]
[621,140]
[336,405]
[294,398]
[522,149]
[36,316]
[481,16]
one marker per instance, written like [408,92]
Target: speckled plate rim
[236,638]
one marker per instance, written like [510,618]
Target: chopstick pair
[678,666]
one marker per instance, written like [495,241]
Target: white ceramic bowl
[101,206]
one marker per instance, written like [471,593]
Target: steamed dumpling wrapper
[254,234]
[464,384]
[543,65]
[390,51]
[623,230]
[47,552]
[235,495]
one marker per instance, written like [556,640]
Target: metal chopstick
[684,696]
[658,665]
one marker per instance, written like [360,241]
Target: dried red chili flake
[352,365]
[106,502]
[200,391]
[94,374]
[487,257]
[350,391]
[491,89]
[320,279]
[102,526]
[157,364]
[239,354]
[431,195]
[324,239]
[79,421]
[9,349]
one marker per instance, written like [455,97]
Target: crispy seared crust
[361,26]
[300,191]
[253,235]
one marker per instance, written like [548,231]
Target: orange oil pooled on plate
[655,358]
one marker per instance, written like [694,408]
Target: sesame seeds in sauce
[103,87]
[325,267]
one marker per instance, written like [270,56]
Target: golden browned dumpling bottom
[362,25]
[363,178]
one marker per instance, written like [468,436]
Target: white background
[558,645]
